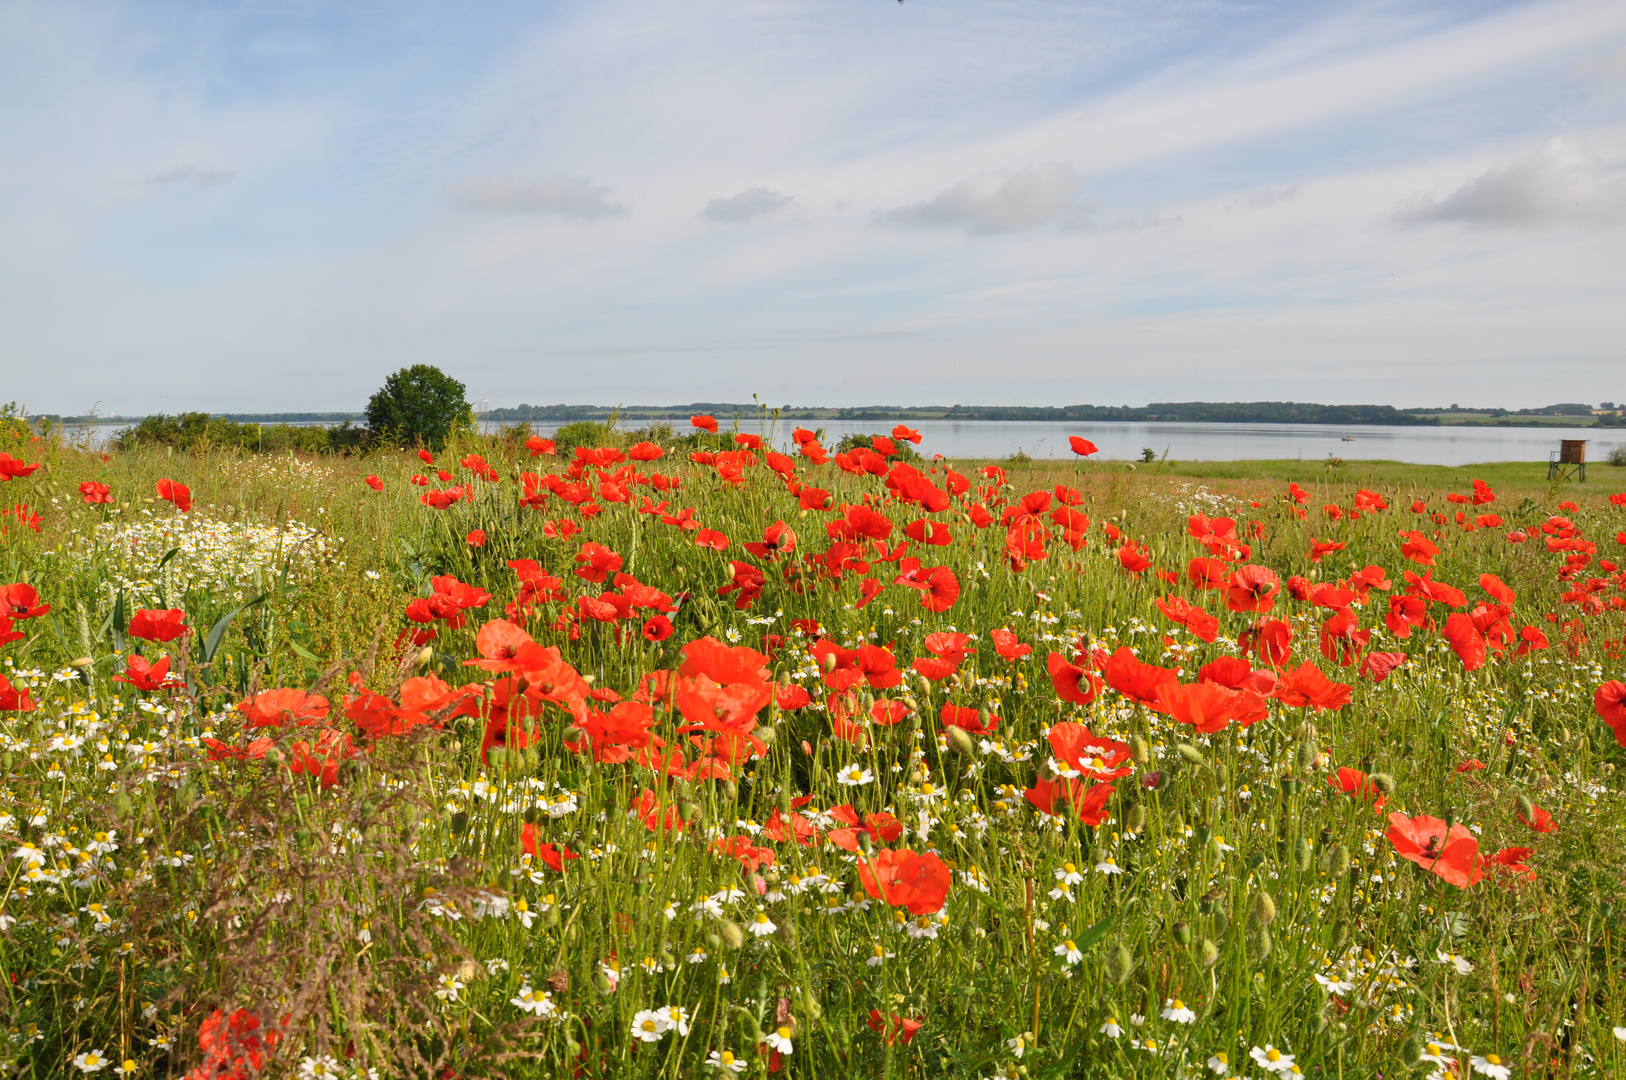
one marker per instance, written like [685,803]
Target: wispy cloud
[195,175]
[1559,183]
[568,196]
[990,203]
[749,204]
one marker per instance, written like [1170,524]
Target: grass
[379,887]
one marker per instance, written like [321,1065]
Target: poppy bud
[959,740]
[1383,782]
[866,702]
[1259,939]
[1303,853]
[730,790]
[602,983]
[1527,809]
[1182,932]
[1222,921]
[531,816]
[1154,781]
[865,842]
[829,663]
[984,718]
[1411,1051]
[424,657]
[123,808]
[807,748]
[1340,933]
[1306,754]
[497,757]
[1208,953]
[1191,753]
[729,573]
[925,687]
[460,823]
[732,935]
[786,932]
[767,735]
[1047,771]
[1141,752]
[1120,965]
[1136,820]
[1338,861]
[1264,909]
[910,703]
[573,734]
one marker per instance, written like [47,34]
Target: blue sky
[270,206]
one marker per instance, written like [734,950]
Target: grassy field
[614,766]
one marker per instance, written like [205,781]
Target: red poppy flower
[1094,756]
[1136,680]
[477,538]
[95,493]
[906,879]
[904,434]
[281,708]
[21,601]
[1610,702]
[14,698]
[1356,784]
[1308,685]
[175,492]
[1377,665]
[15,469]
[1541,821]
[1253,588]
[657,628]
[1209,707]
[538,446]
[144,676]
[969,719]
[1418,548]
[1088,801]
[1007,645]
[1452,853]
[1271,640]
[553,855]
[902,1027]
[1512,859]
[1072,683]
[1081,446]
[158,625]
[704,423]
[1465,640]
[942,589]
[598,562]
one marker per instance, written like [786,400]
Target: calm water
[1230,442]
[1206,442]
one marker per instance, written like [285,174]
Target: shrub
[1617,456]
[419,405]
[195,431]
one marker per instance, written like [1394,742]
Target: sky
[271,205]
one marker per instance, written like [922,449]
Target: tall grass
[377,924]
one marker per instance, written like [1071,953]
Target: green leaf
[168,555]
[117,622]
[304,652]
[1094,934]
[218,631]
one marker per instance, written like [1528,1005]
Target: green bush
[196,431]
[852,440]
[1617,456]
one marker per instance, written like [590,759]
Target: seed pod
[1140,751]
[1260,941]
[1182,932]
[828,663]
[1208,953]
[1191,753]
[1383,782]
[1411,1051]
[123,808]
[1340,933]
[1303,854]
[959,740]
[767,735]
[1264,909]
[692,812]
[497,757]
[786,932]
[460,823]
[1306,754]
[1527,809]
[1209,900]
[1338,864]
[425,657]
[1136,819]
[573,734]
[1120,965]
[732,935]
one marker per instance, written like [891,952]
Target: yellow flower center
[726,1057]
[1273,1054]
[1492,1059]
[1178,1004]
[784,1033]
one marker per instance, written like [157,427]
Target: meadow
[686,757]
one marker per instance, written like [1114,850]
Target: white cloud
[1559,183]
[570,196]
[748,204]
[196,175]
[1001,202]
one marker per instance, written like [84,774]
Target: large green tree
[419,404]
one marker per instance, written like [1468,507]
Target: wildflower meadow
[720,755]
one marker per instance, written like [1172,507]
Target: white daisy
[649,1024]
[1271,1059]
[779,1039]
[724,1059]
[1490,1065]
[1175,1010]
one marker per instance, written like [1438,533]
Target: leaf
[1094,934]
[304,652]
[117,622]
[218,631]
[168,555]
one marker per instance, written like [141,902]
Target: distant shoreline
[1268,412]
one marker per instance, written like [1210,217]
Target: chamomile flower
[1461,963]
[1069,952]
[779,1039]
[91,1061]
[1271,1059]
[855,776]
[1068,874]
[318,1068]
[1490,1065]
[535,1002]
[1108,865]
[761,925]
[725,1060]
[1219,1064]
[1111,1029]
[649,1025]
[1175,1010]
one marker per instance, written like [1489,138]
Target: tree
[419,404]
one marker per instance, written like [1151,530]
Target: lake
[1226,442]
